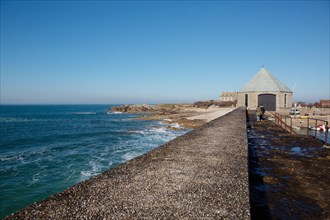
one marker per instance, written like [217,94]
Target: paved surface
[289,174]
[200,175]
[212,115]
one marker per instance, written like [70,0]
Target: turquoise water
[45,149]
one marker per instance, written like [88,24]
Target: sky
[116,52]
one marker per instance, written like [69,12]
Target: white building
[265,89]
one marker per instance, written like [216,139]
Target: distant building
[228,96]
[265,89]
[325,103]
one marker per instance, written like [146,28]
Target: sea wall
[200,175]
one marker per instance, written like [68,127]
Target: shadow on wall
[258,199]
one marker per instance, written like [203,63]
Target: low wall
[200,175]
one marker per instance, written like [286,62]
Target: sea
[45,149]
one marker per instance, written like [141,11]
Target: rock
[135,108]
[162,109]
[189,123]
[270,180]
[214,104]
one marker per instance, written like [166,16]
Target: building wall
[283,99]
[228,96]
[252,99]
[325,103]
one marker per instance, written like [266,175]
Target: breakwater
[202,174]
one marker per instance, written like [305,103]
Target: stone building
[265,89]
[325,103]
[228,96]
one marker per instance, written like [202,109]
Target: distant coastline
[186,115]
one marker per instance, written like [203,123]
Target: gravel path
[200,175]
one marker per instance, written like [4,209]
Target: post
[307,126]
[275,118]
[290,125]
[326,133]
[315,128]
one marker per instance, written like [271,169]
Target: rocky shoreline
[186,115]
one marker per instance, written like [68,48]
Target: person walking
[259,113]
[262,112]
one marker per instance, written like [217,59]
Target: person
[262,112]
[258,113]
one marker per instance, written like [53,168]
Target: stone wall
[253,99]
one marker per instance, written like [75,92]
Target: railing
[316,124]
[286,122]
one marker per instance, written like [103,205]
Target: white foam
[8,158]
[9,120]
[175,125]
[86,174]
[33,181]
[138,132]
[159,129]
[114,113]
[85,113]
[94,169]
[19,157]
[130,155]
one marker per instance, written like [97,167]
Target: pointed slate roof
[264,81]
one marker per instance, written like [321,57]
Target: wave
[131,155]
[24,120]
[114,113]
[19,120]
[86,174]
[4,158]
[175,125]
[95,168]
[84,113]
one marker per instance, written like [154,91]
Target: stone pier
[200,175]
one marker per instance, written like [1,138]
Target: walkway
[289,174]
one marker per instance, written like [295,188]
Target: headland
[186,115]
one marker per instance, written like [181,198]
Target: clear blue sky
[62,52]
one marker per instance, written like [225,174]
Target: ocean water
[45,149]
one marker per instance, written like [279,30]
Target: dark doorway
[268,101]
[246,100]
